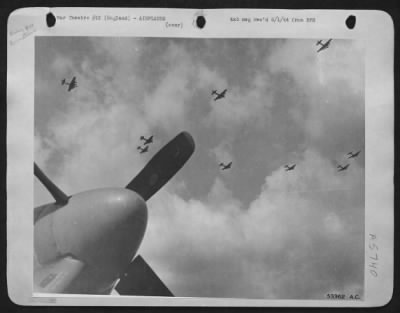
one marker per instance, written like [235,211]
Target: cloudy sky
[254,231]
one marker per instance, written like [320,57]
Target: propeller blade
[58,195]
[141,280]
[163,166]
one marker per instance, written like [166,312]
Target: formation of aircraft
[225,166]
[143,149]
[87,243]
[146,141]
[290,168]
[342,168]
[352,155]
[218,95]
[71,85]
[324,45]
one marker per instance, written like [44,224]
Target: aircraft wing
[72,84]
[57,276]
[141,280]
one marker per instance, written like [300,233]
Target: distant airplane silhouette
[143,149]
[71,85]
[290,168]
[353,155]
[225,166]
[323,45]
[218,95]
[342,168]
[146,141]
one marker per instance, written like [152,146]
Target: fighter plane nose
[104,228]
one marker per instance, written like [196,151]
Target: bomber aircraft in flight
[71,85]
[353,154]
[146,141]
[218,95]
[289,168]
[87,243]
[342,168]
[225,166]
[143,149]
[323,45]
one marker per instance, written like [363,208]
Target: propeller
[158,171]
[163,166]
[137,278]
[58,195]
[141,280]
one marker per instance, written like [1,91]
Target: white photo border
[374,27]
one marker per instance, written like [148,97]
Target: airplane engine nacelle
[104,228]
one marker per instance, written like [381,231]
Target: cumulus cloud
[61,64]
[223,152]
[284,245]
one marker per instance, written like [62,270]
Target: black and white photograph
[269,202]
[206,167]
